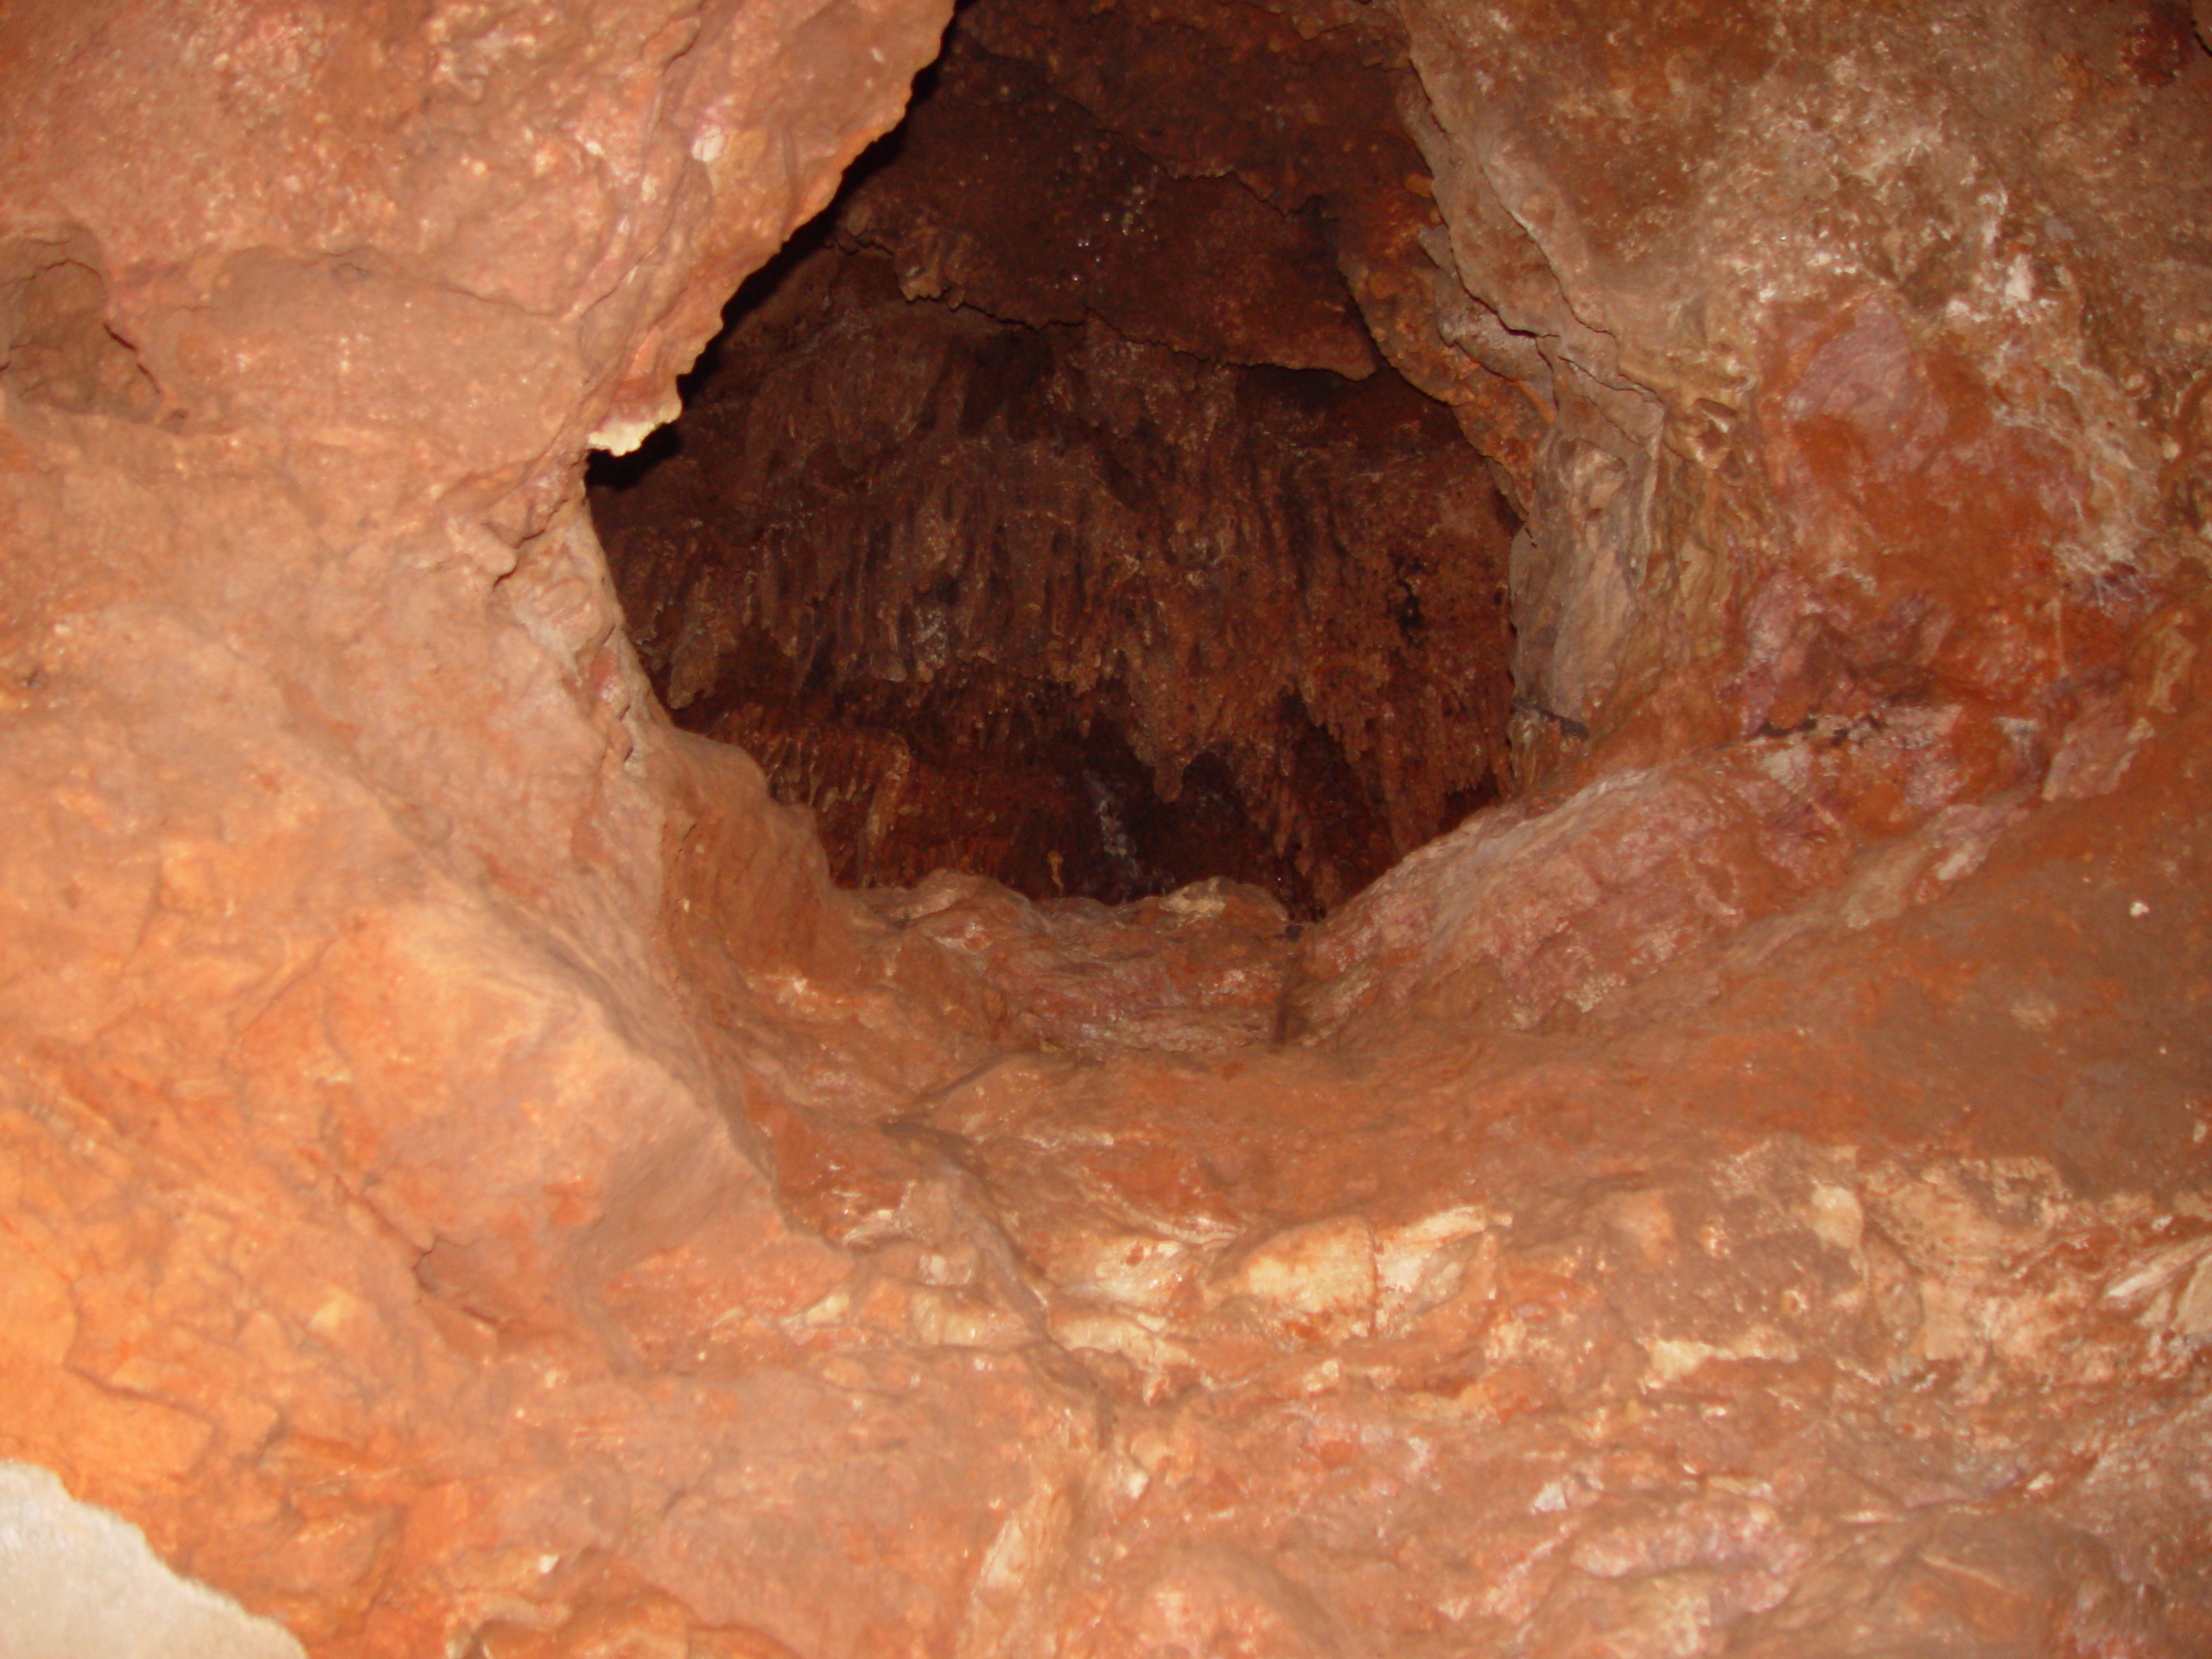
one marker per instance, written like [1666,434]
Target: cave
[1047,510]
[1110,831]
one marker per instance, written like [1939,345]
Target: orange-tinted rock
[366,1167]
[1819,385]
[1802,1287]
[470,1184]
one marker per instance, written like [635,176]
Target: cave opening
[1047,510]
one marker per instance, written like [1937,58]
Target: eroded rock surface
[363,1164]
[471,1184]
[1055,520]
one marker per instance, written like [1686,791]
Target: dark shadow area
[1044,509]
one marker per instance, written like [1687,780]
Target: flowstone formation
[1051,515]
[471,1184]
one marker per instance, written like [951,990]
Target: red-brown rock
[470,1183]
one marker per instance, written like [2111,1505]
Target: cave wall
[1757,444]
[1054,518]
[1845,324]
[472,1184]
[1081,614]
[360,1149]
[1875,348]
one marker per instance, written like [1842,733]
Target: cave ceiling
[1049,511]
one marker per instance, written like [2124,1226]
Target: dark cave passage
[1047,511]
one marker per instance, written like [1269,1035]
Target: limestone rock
[994,528]
[470,1183]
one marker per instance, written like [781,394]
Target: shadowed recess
[1045,511]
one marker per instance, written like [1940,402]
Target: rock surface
[470,1183]
[1063,527]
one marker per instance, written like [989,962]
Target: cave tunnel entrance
[1046,509]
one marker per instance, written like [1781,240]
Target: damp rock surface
[471,1183]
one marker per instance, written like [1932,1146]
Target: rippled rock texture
[470,1182]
